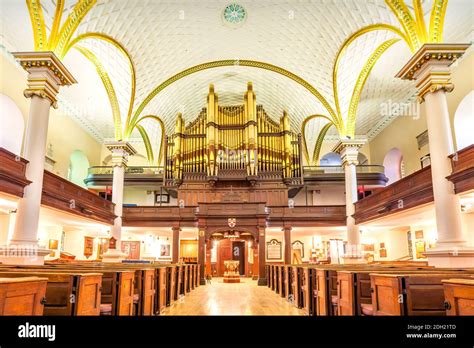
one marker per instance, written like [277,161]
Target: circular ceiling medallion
[234,14]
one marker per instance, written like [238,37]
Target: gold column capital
[46,74]
[120,150]
[429,67]
[349,150]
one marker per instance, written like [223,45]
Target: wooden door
[459,298]
[88,295]
[387,295]
[345,294]
[322,297]
[22,297]
[224,253]
[132,249]
[148,292]
[125,293]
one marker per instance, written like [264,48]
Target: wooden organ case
[236,148]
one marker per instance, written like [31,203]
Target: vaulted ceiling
[166,37]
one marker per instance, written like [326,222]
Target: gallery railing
[142,170]
[315,170]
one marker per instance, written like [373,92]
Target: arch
[362,159]
[78,168]
[13,125]
[237,62]
[464,121]
[330,159]
[392,163]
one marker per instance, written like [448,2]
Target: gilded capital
[429,67]
[46,74]
[120,150]
[349,150]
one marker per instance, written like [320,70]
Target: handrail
[338,169]
[142,170]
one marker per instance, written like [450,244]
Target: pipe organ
[233,142]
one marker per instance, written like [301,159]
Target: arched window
[330,159]
[393,163]
[12,125]
[78,168]
[362,159]
[464,121]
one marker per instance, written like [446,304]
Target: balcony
[247,213]
[61,194]
[366,175]
[462,175]
[411,191]
[12,173]
[143,175]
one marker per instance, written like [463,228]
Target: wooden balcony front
[12,173]
[412,191]
[308,216]
[63,195]
[366,175]
[462,175]
[166,216]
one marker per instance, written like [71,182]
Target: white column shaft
[117,199]
[26,225]
[353,235]
[447,206]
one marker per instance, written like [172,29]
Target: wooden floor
[245,298]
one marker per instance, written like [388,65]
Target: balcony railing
[315,170]
[134,175]
[141,170]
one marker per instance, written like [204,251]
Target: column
[175,252]
[120,150]
[202,256]
[262,277]
[287,237]
[349,150]
[46,74]
[429,67]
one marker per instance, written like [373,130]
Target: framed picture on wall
[298,245]
[274,250]
[162,198]
[419,234]
[425,161]
[88,246]
[165,250]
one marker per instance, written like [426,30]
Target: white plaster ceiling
[165,37]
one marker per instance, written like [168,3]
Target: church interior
[289,158]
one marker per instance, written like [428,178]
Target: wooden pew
[354,296]
[141,284]
[410,294]
[459,296]
[267,273]
[281,280]
[67,293]
[306,289]
[297,291]
[287,282]
[22,296]
[170,284]
[187,286]
[161,281]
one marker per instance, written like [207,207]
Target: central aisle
[245,298]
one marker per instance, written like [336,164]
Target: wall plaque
[298,245]
[274,250]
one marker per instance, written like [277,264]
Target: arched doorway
[392,163]
[13,125]
[78,168]
[237,246]
[464,121]
[330,159]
